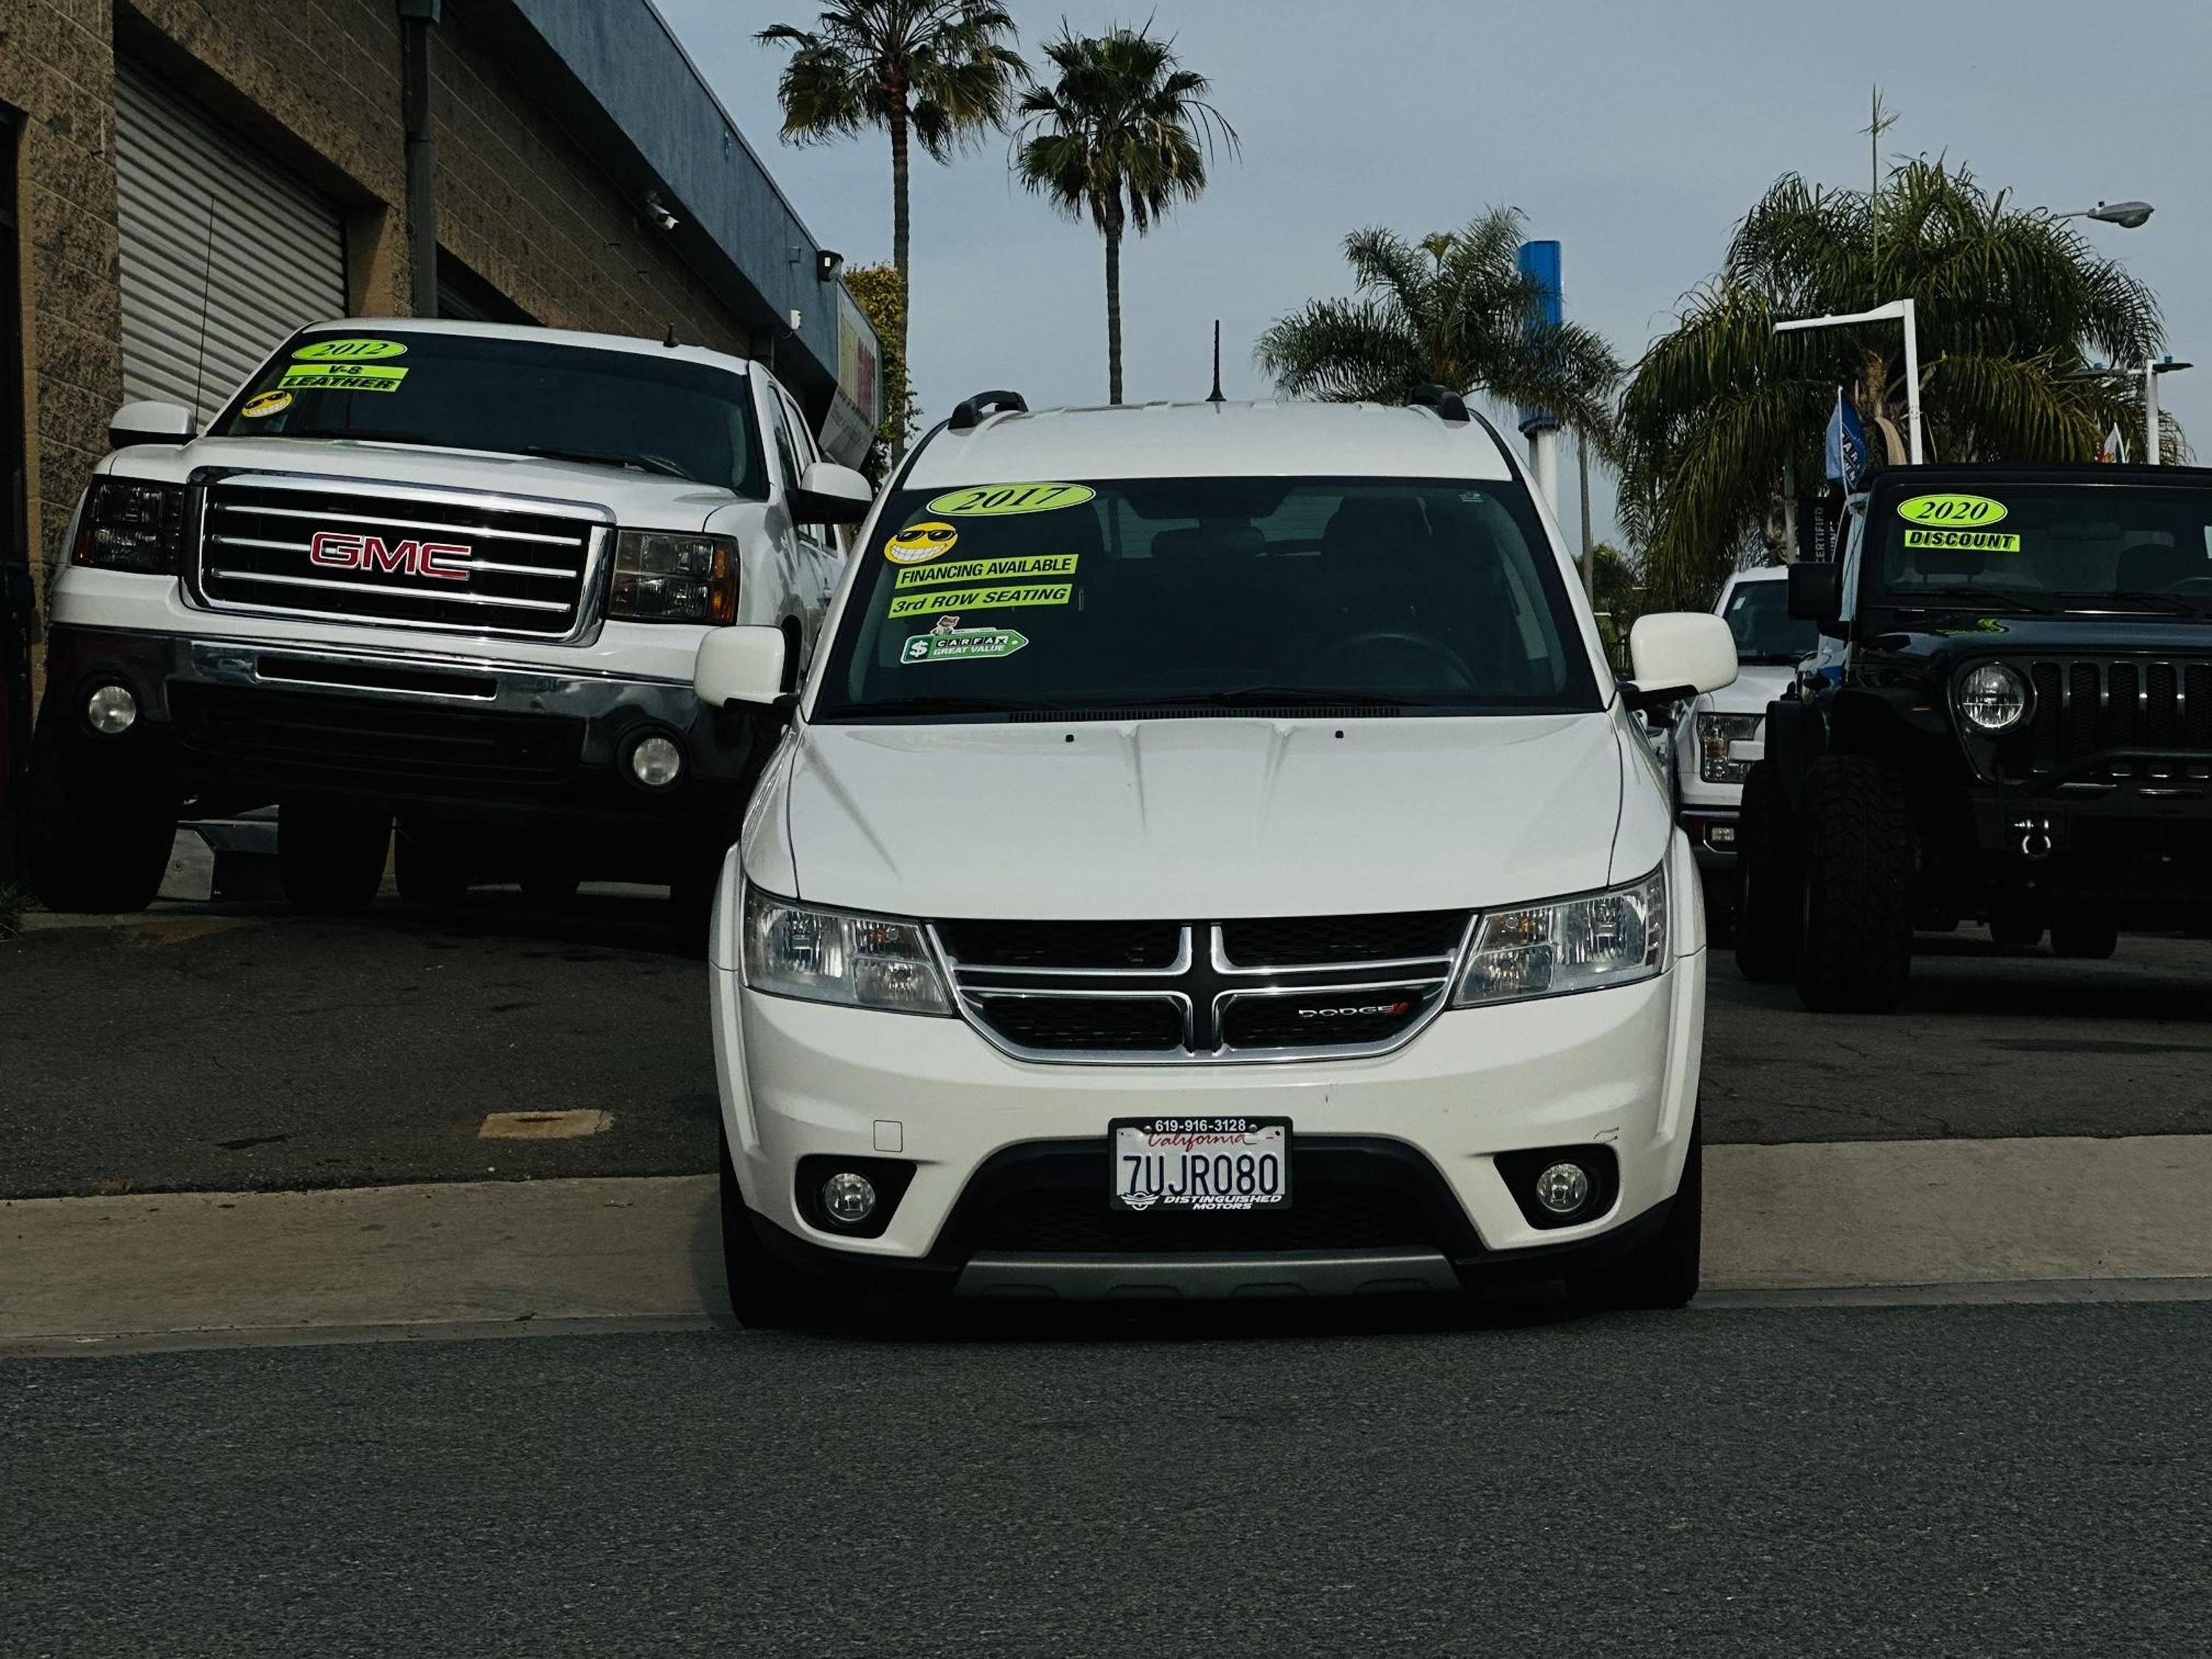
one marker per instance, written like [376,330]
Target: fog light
[655,762]
[111,711]
[848,1199]
[1563,1188]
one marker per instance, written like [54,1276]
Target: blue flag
[1847,450]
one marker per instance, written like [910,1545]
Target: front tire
[330,859]
[2084,941]
[1770,881]
[1663,1273]
[1858,949]
[767,1293]
[429,870]
[93,849]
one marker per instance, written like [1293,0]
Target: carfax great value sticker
[988,570]
[981,598]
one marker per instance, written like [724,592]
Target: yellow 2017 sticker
[263,404]
[1965,541]
[1952,512]
[1027,565]
[1003,501]
[921,542]
[981,598]
[348,352]
[342,377]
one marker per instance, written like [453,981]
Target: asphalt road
[215,1048]
[1961,1481]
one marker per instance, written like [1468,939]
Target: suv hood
[1192,818]
[1756,686]
[638,499]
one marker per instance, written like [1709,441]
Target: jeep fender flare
[1796,736]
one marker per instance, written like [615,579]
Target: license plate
[1200,1164]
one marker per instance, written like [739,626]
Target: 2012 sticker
[1965,541]
[1953,511]
[920,542]
[342,377]
[350,350]
[981,598]
[961,644]
[1009,569]
[1004,501]
[262,405]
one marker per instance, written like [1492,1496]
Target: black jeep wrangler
[2009,721]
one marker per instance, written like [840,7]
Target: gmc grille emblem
[1349,1012]
[338,550]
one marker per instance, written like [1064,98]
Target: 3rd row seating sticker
[981,598]
[1950,510]
[1972,541]
[961,644]
[1003,501]
[1010,569]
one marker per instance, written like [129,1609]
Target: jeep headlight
[1993,697]
[833,956]
[1585,943]
[1715,733]
[662,576]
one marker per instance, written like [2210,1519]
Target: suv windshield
[1758,614]
[517,397]
[2075,546]
[1126,595]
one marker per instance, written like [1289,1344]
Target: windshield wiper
[592,458]
[919,705]
[365,433]
[1275,696]
[2172,605]
[1967,598]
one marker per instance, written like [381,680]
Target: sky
[1635,132]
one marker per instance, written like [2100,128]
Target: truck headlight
[1612,938]
[832,956]
[1993,698]
[1715,733]
[661,577]
[127,524]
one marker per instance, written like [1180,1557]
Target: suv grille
[1322,1216]
[448,562]
[306,733]
[2085,708]
[1133,992]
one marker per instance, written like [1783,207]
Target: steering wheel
[1434,649]
[2191,585]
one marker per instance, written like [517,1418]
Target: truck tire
[1770,905]
[2016,933]
[1857,945]
[330,859]
[429,870]
[1663,1272]
[92,850]
[767,1293]
[2084,941]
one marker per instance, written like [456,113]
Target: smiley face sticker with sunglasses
[918,543]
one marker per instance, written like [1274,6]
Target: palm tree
[1455,311]
[1124,134]
[2012,306]
[938,71]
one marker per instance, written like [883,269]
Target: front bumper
[1616,1069]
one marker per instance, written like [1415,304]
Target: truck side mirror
[1677,654]
[1816,593]
[151,423]
[831,494]
[739,665]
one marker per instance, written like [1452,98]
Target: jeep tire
[330,859]
[1770,902]
[2084,941]
[95,848]
[1856,947]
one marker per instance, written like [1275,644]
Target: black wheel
[2086,941]
[767,1293]
[1858,942]
[1770,906]
[549,883]
[330,859]
[1663,1273]
[428,870]
[2016,933]
[94,847]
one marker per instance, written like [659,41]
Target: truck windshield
[515,396]
[1758,614]
[2055,547]
[1120,596]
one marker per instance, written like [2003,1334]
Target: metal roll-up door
[224,252]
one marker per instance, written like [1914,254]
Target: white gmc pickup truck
[453,575]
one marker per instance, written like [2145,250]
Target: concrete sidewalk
[1902,1220]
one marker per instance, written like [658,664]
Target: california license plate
[1200,1163]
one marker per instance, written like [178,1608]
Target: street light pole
[1896,310]
[2151,445]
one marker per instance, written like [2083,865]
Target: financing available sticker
[981,598]
[919,543]
[1009,569]
[1003,501]
[957,644]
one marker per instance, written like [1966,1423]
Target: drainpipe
[417,19]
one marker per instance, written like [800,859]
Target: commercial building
[182,182]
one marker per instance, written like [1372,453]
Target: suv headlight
[832,956]
[127,524]
[1612,938]
[1715,733]
[662,576]
[1993,697]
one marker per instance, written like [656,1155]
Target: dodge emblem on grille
[447,561]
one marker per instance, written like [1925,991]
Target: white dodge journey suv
[1210,857]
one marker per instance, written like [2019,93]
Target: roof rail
[1448,404]
[970,412]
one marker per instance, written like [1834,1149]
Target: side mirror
[831,494]
[1677,654]
[152,423]
[1816,593]
[739,665]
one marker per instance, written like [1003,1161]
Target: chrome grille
[1157,993]
[449,561]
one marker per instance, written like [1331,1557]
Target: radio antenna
[206,283]
[1215,397]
